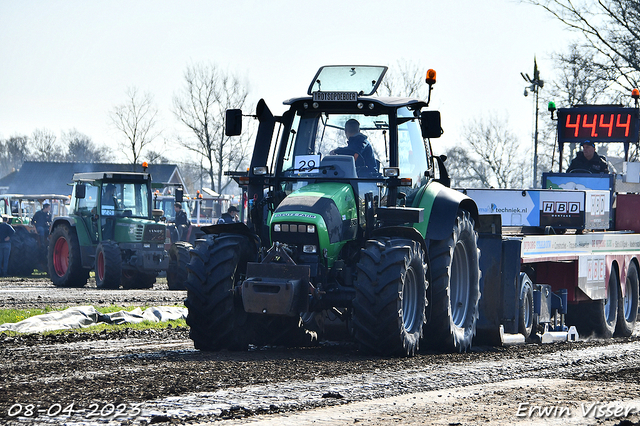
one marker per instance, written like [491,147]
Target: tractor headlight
[309,248]
[276,227]
[311,229]
[391,172]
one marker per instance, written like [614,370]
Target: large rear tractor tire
[390,301]
[455,288]
[628,304]
[64,258]
[597,318]
[216,318]
[24,253]
[108,265]
[179,258]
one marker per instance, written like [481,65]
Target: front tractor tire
[455,288]
[390,301]
[216,318]
[64,258]
[179,258]
[108,265]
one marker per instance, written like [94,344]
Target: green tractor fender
[441,206]
[77,224]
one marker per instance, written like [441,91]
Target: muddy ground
[156,377]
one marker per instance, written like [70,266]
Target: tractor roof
[111,176]
[385,101]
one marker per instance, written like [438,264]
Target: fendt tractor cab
[381,247]
[111,228]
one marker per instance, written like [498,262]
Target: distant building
[43,177]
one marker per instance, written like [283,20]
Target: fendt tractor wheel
[597,318]
[24,253]
[526,317]
[137,280]
[64,258]
[628,304]
[389,307]
[108,265]
[216,319]
[455,288]
[179,258]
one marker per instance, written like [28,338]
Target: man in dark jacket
[588,160]
[359,147]
[6,232]
[231,216]
[181,221]
[42,221]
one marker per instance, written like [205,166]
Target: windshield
[363,79]
[125,199]
[316,138]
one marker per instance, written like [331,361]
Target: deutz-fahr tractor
[112,229]
[381,251]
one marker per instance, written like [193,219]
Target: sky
[67,64]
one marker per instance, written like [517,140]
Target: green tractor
[367,243]
[111,228]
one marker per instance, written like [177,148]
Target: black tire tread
[377,320]
[76,275]
[441,333]
[112,265]
[179,258]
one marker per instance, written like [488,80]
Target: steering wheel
[581,171]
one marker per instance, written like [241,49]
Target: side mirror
[430,124]
[81,190]
[233,122]
[179,195]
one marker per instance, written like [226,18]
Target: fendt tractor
[111,228]
[335,242]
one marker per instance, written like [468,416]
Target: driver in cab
[588,160]
[358,146]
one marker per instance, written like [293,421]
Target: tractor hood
[333,202]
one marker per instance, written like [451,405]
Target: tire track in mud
[300,395]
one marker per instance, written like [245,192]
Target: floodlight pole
[535,143]
[536,85]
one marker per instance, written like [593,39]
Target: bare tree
[464,171]
[44,146]
[136,119]
[13,152]
[82,149]
[500,160]
[156,157]
[201,106]
[609,30]
[406,79]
